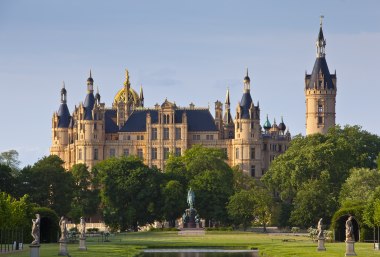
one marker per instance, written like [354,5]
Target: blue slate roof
[88,105]
[110,125]
[63,116]
[198,120]
[245,104]
[320,65]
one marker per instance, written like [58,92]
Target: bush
[152,229]
[295,230]
[220,229]
[92,230]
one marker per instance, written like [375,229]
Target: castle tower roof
[246,100]
[63,111]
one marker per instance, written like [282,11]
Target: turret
[320,92]
[89,100]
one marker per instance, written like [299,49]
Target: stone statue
[62,225]
[320,229]
[190,198]
[350,230]
[82,227]
[36,230]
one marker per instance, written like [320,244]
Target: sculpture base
[321,244]
[34,250]
[82,244]
[350,248]
[63,249]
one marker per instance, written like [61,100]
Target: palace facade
[94,132]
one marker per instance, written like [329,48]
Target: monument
[350,238]
[63,239]
[191,222]
[82,237]
[320,236]
[35,245]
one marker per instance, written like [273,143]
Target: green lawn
[130,245]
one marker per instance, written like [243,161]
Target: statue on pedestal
[190,218]
[82,228]
[62,225]
[350,230]
[36,230]
[320,229]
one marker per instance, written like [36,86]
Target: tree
[14,213]
[241,208]
[314,200]
[359,185]
[130,192]
[308,157]
[48,184]
[7,181]
[263,206]
[10,158]
[85,194]
[212,189]
[174,201]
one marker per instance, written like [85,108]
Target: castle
[94,132]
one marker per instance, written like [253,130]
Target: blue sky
[186,51]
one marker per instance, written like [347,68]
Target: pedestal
[350,248]
[321,244]
[82,244]
[63,248]
[34,250]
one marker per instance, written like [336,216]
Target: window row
[165,134]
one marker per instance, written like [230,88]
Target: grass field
[269,245]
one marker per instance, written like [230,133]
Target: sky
[185,51]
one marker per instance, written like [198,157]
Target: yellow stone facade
[94,132]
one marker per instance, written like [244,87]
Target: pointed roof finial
[63,84]
[90,74]
[247,71]
[228,96]
[97,89]
[321,20]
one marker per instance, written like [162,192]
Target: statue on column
[36,230]
[190,198]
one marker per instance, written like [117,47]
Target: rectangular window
[280,148]
[265,147]
[80,154]
[320,120]
[253,154]
[166,153]
[209,137]
[177,133]
[166,133]
[154,153]
[177,151]
[125,151]
[142,137]
[253,171]
[140,153]
[138,137]
[154,133]
[225,152]
[320,108]
[237,153]
[96,155]
[112,152]
[95,126]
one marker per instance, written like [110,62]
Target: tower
[247,141]
[320,92]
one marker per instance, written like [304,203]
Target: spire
[228,98]
[97,96]
[63,93]
[321,42]
[90,84]
[141,96]
[247,83]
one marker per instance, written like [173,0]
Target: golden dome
[132,94]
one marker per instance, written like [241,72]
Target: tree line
[317,176]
